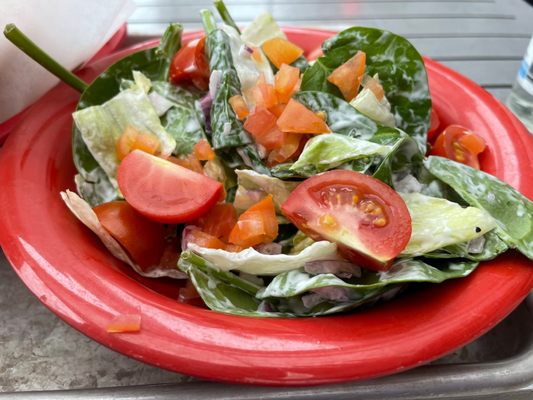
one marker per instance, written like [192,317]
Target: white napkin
[71,31]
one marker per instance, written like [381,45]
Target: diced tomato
[190,162]
[256,225]
[264,95]
[373,84]
[206,240]
[288,150]
[280,51]
[287,81]
[132,139]
[203,151]
[296,118]
[262,126]
[219,221]
[125,323]
[433,125]
[143,239]
[239,106]
[459,144]
[163,191]
[367,219]
[277,110]
[348,76]
[190,65]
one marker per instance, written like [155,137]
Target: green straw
[19,39]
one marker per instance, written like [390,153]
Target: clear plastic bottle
[520,101]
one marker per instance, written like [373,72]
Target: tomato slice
[163,191]
[433,125]
[367,219]
[190,65]
[459,144]
[143,239]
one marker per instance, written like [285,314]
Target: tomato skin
[367,219]
[143,239]
[434,125]
[459,144]
[190,65]
[219,221]
[163,191]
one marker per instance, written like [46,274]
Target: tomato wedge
[143,239]
[190,65]
[163,191]
[459,144]
[367,219]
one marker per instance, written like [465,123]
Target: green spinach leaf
[399,66]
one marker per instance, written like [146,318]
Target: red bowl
[68,269]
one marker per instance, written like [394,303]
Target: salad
[272,185]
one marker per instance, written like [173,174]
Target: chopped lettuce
[252,262]
[102,125]
[438,223]
[367,103]
[325,152]
[264,27]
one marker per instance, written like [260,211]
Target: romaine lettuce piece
[102,125]
[438,223]
[367,103]
[511,210]
[255,263]
[325,152]
[264,27]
